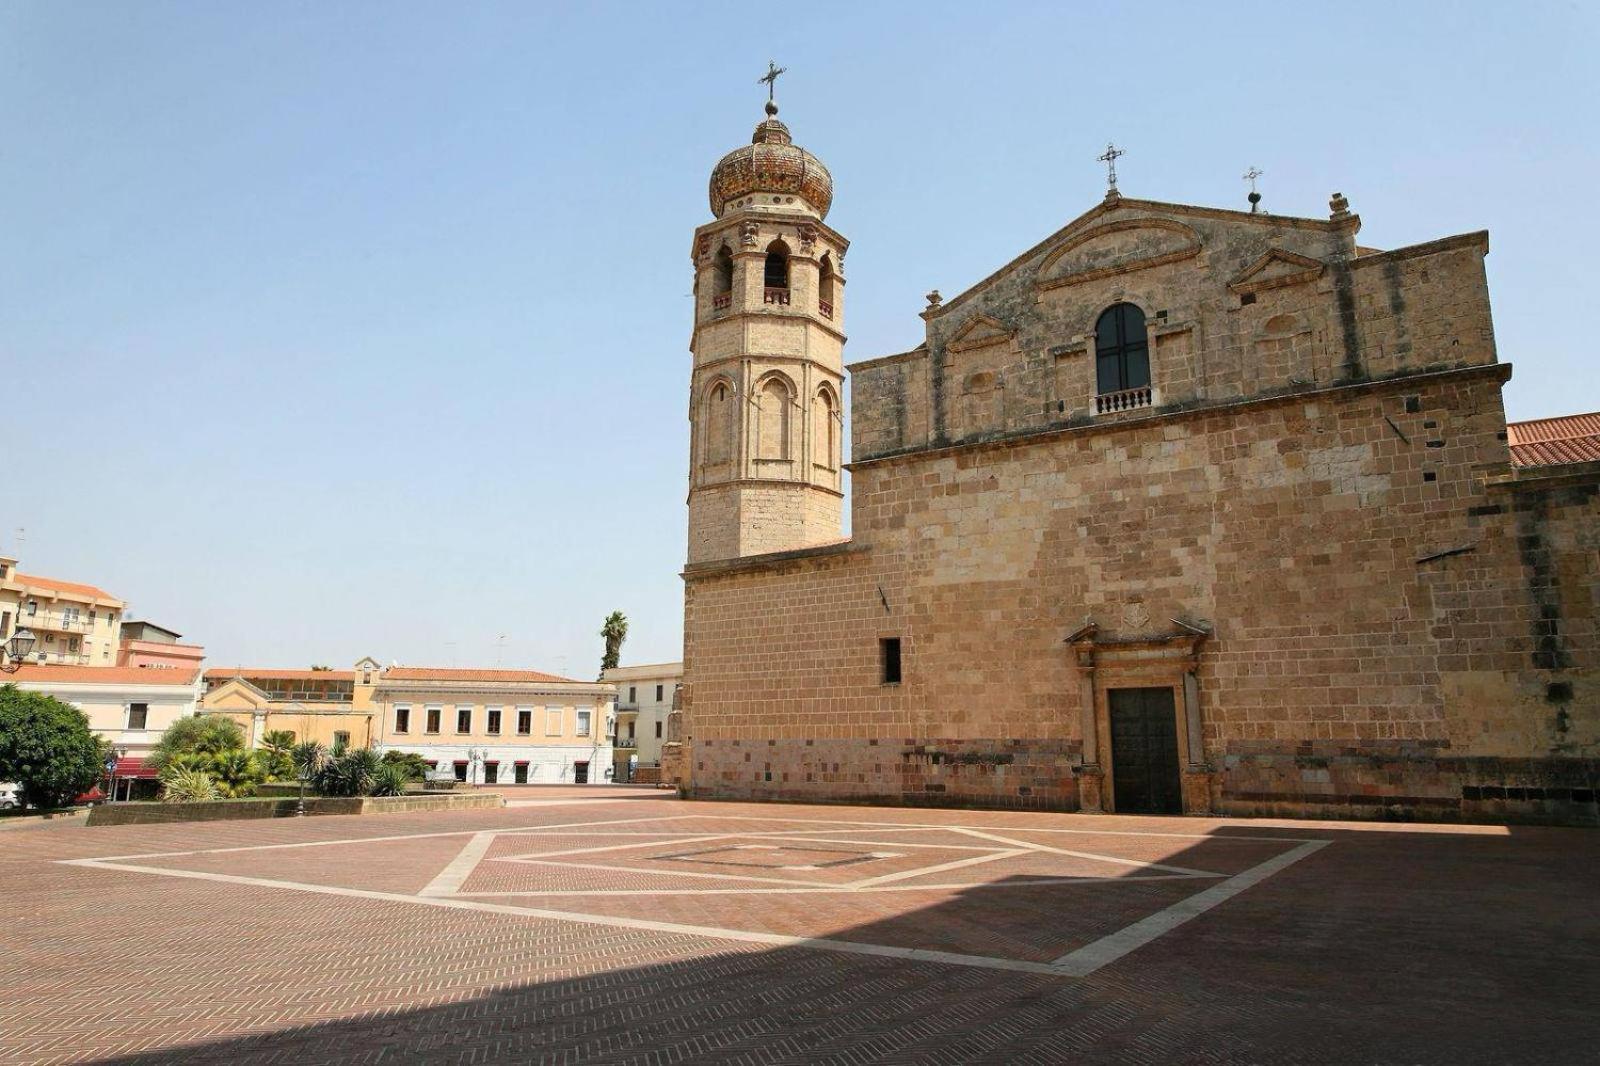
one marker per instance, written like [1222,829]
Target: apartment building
[74,624]
[149,645]
[644,699]
[499,726]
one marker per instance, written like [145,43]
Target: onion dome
[772,171]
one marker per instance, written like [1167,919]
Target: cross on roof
[1251,175]
[770,79]
[1113,153]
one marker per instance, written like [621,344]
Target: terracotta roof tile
[1555,441]
[69,587]
[102,675]
[250,673]
[422,673]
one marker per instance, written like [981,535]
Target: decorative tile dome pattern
[771,165]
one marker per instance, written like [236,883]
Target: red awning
[134,768]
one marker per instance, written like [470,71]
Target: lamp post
[474,757]
[112,759]
[16,649]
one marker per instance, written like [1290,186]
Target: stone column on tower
[765,412]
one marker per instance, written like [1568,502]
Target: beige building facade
[498,726]
[1182,510]
[644,702]
[74,624]
[335,708]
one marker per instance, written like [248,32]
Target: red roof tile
[1555,441]
[102,675]
[250,673]
[70,587]
[421,673]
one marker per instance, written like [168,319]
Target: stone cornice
[733,219]
[772,560]
[1502,371]
[1475,239]
[801,317]
[919,352]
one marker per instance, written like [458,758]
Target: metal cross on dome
[770,79]
[1113,153]
[1251,175]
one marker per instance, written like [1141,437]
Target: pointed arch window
[1121,350]
[825,430]
[776,273]
[772,434]
[825,286]
[719,424]
[722,280]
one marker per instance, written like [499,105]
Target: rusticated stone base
[1412,782]
[934,772]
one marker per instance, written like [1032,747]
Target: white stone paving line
[1109,949]
[1115,860]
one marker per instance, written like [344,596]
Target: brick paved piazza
[622,926]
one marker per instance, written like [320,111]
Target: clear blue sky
[330,329]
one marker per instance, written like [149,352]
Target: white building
[644,699]
[128,705]
[498,726]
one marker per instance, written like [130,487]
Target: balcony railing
[57,622]
[62,658]
[775,296]
[826,308]
[722,301]
[1126,400]
[625,742]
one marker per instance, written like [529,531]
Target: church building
[1182,510]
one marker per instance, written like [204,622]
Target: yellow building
[332,707]
[74,624]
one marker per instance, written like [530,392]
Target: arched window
[772,431]
[719,424]
[777,271]
[1121,349]
[825,286]
[824,430]
[723,272]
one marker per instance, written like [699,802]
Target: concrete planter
[284,807]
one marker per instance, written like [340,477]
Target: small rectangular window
[463,719]
[138,714]
[493,715]
[434,714]
[524,721]
[633,694]
[552,721]
[583,721]
[659,690]
[889,659]
[402,719]
[341,741]
[658,730]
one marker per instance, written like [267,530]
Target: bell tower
[765,414]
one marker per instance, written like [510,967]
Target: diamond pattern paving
[648,930]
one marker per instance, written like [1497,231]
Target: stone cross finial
[934,299]
[1113,153]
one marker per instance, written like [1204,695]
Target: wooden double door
[1144,751]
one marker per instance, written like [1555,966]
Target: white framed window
[492,716]
[402,718]
[435,713]
[524,721]
[585,716]
[463,719]
[138,715]
[552,721]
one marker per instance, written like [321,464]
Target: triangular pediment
[236,694]
[1118,247]
[1277,267]
[979,333]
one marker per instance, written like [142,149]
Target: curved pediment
[1118,248]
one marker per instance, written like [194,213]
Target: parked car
[9,797]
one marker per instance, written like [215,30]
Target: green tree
[614,631]
[276,756]
[47,749]
[236,773]
[203,734]
[415,766]
[351,774]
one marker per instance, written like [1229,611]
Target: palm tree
[309,759]
[615,631]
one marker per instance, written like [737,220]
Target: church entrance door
[1144,751]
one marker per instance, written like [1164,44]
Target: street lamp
[16,649]
[115,756]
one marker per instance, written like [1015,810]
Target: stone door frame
[1153,660]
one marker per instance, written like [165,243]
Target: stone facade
[1302,535]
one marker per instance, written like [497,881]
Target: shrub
[183,785]
[414,765]
[351,774]
[47,749]
[202,734]
[276,755]
[309,759]
[390,779]
[236,773]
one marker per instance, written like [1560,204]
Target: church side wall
[1382,640]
